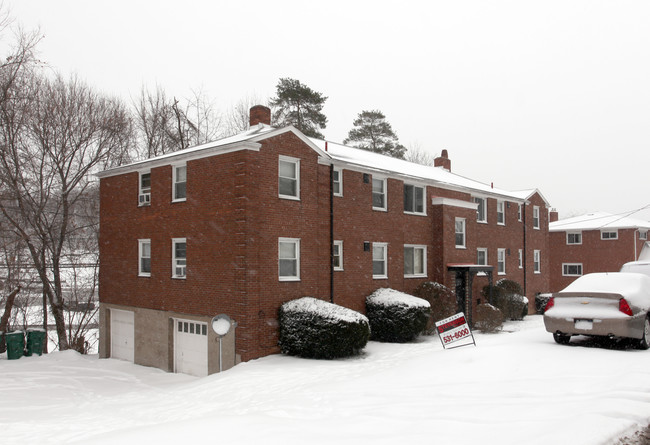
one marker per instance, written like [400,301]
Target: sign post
[455,331]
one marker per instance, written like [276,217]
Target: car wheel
[561,338]
[644,343]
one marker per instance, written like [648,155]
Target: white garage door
[191,347]
[122,335]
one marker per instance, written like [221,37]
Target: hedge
[313,328]
[396,317]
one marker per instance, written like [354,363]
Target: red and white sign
[455,332]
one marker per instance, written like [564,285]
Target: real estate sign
[454,332]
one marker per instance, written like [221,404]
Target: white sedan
[613,304]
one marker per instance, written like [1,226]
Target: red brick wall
[594,254]
[232,220]
[537,240]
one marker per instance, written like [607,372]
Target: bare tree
[205,116]
[238,116]
[418,155]
[54,134]
[153,118]
[168,124]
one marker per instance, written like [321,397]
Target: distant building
[243,224]
[595,242]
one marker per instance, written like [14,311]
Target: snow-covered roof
[331,152]
[527,194]
[598,221]
[364,159]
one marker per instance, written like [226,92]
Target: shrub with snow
[507,295]
[313,328]
[488,318]
[541,300]
[442,300]
[396,317]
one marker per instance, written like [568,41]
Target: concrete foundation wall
[154,338]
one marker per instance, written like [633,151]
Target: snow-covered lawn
[515,387]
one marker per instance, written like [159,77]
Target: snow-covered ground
[514,387]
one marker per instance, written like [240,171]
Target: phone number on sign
[455,336]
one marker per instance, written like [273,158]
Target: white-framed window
[144,257]
[501,261]
[191,327]
[337,259]
[144,188]
[535,217]
[414,198]
[289,178]
[643,234]
[337,181]
[179,183]
[608,234]
[571,269]
[521,258]
[537,265]
[460,233]
[289,259]
[482,256]
[379,260]
[574,238]
[501,213]
[378,194]
[415,261]
[519,213]
[179,258]
[481,210]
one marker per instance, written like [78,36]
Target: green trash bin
[15,344]
[35,341]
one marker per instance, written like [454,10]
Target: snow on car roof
[597,221]
[634,287]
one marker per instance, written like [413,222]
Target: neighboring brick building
[595,242]
[243,224]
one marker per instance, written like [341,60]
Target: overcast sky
[553,95]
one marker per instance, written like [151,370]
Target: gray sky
[546,94]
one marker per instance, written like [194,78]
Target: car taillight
[550,304]
[624,307]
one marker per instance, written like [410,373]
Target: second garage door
[191,347]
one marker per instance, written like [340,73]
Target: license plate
[586,325]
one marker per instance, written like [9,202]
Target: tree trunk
[4,320]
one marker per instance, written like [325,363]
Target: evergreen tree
[298,105]
[371,132]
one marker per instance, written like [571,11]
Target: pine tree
[298,105]
[371,132]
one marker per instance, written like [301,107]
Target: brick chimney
[443,161]
[259,114]
[553,215]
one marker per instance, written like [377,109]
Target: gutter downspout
[331,230]
[523,217]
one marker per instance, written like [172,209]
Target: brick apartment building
[594,242]
[243,224]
